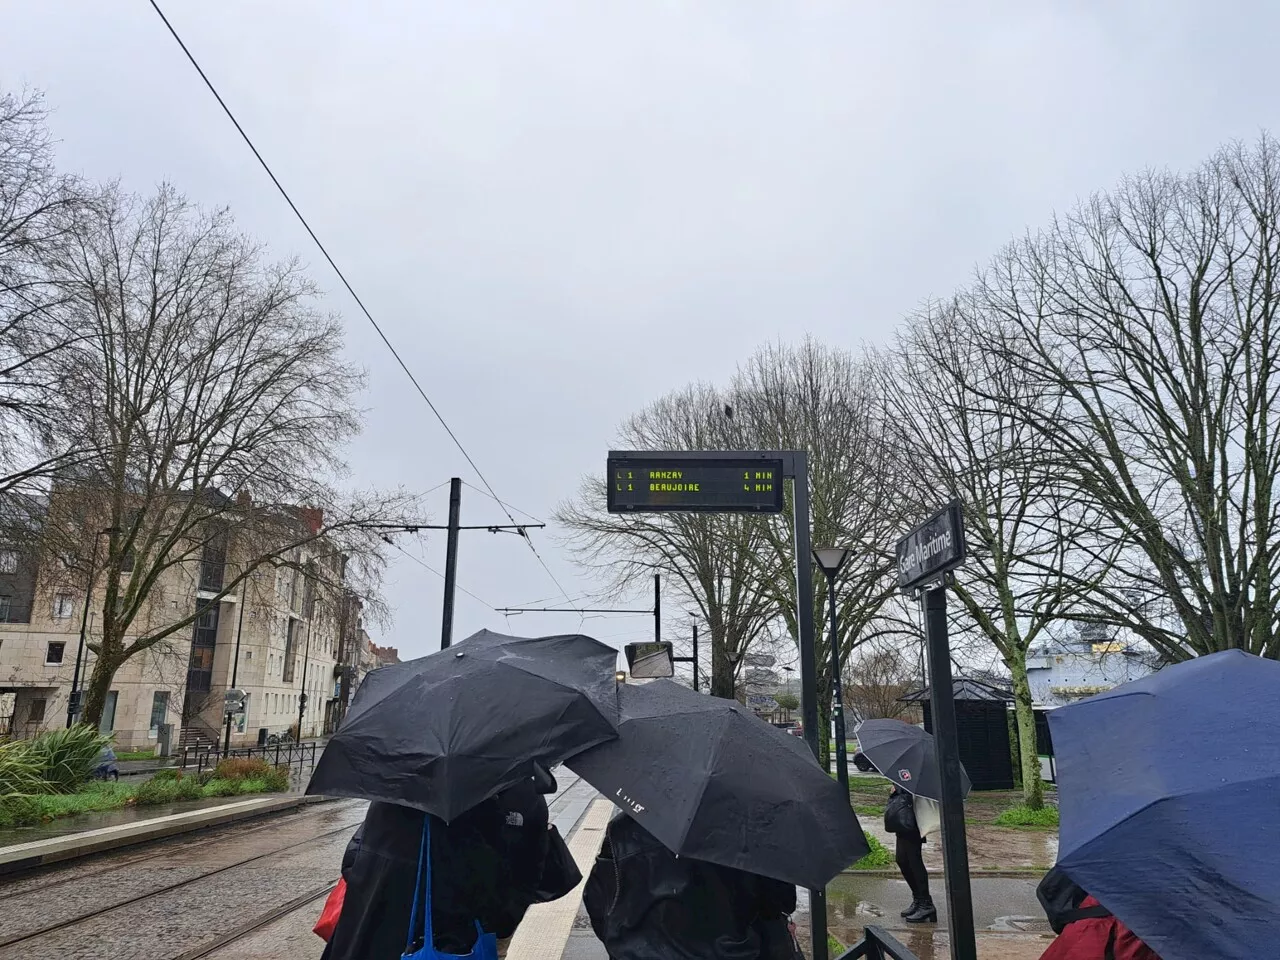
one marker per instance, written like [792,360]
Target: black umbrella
[448,731]
[905,754]
[713,782]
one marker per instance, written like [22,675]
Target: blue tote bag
[486,946]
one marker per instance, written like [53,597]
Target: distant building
[1082,663]
[288,636]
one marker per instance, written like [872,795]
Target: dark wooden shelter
[982,721]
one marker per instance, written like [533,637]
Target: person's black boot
[911,909]
[925,912]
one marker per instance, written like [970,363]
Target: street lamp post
[235,663]
[73,701]
[306,655]
[831,560]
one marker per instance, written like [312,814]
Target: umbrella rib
[702,790]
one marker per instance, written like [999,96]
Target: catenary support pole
[657,608]
[695,656]
[808,662]
[955,851]
[73,701]
[451,562]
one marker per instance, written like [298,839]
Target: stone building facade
[293,624]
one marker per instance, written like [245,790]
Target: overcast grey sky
[559,210]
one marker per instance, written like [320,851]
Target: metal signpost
[925,556]
[734,481]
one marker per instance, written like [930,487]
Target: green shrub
[155,791]
[188,788]
[220,787]
[67,758]
[171,773]
[19,811]
[19,771]
[277,780]
[241,768]
[253,786]
[877,858]
[1046,817]
[834,946]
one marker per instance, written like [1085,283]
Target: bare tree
[1148,319]
[825,401]
[876,679]
[216,402]
[708,559]
[1021,523]
[36,206]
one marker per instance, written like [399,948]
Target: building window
[53,653]
[62,606]
[159,709]
[290,651]
[35,714]
[8,561]
[6,604]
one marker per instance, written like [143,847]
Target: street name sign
[932,548]
[647,484]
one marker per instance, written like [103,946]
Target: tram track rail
[232,934]
[20,882]
[80,918]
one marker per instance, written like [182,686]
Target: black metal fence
[279,754]
[877,944]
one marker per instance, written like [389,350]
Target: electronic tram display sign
[644,484]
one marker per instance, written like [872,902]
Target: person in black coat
[487,866]
[645,902]
[900,820]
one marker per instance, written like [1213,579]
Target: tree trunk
[824,732]
[721,669]
[98,686]
[1032,784]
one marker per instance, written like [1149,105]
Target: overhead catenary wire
[351,290]
[422,563]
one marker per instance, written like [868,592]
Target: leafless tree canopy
[875,680]
[1147,320]
[738,572]
[36,206]
[209,403]
[708,560]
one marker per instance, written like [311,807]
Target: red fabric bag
[328,921]
[1098,938]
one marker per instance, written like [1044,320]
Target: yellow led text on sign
[757,481]
[658,482]
[625,476]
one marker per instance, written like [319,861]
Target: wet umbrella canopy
[906,755]
[1169,790]
[713,782]
[448,731]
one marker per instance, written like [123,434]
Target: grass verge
[1046,818]
[879,857]
[169,786]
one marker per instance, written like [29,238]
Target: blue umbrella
[1170,799]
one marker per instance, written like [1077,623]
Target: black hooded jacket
[645,902]
[486,866]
